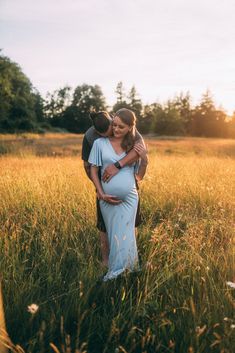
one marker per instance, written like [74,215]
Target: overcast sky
[162,47]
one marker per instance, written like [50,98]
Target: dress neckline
[114,149]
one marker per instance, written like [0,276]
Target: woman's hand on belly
[113,200]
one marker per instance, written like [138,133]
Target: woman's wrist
[100,195]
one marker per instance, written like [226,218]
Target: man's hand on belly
[109,172]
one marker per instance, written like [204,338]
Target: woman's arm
[131,157]
[100,192]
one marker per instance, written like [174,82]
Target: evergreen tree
[231,126]
[135,103]
[121,98]
[145,121]
[167,120]
[182,104]
[207,120]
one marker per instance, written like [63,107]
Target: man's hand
[109,172]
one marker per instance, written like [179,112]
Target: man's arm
[141,150]
[130,158]
[87,169]
[133,155]
[86,149]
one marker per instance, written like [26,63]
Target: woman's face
[120,129]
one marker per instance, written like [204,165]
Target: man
[102,127]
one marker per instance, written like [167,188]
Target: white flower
[231,284]
[226,318]
[232,326]
[33,308]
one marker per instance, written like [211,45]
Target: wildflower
[200,330]
[231,284]
[149,265]
[226,318]
[232,326]
[33,308]
[171,344]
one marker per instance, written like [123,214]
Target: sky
[163,47]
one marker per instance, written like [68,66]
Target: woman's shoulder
[100,141]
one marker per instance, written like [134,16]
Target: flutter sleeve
[95,157]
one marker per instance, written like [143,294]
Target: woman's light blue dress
[119,219]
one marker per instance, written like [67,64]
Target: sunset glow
[162,47]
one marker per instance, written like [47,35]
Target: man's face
[108,133]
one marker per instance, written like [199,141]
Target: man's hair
[101,121]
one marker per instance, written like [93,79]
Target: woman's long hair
[127,117]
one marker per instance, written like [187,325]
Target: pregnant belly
[120,185]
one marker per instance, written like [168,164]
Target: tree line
[22,108]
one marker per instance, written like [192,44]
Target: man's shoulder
[91,135]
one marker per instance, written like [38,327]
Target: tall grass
[50,255]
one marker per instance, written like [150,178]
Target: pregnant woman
[120,218]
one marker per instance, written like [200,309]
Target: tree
[120,93]
[131,101]
[135,103]
[145,121]
[207,120]
[86,98]
[39,107]
[167,120]
[182,104]
[231,126]
[121,98]
[17,98]
[56,104]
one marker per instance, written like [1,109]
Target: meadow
[180,301]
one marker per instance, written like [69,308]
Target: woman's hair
[101,121]
[127,117]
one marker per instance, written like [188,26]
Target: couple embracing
[115,159]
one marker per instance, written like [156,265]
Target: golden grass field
[50,255]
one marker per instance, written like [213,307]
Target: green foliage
[70,111]
[231,126]
[86,98]
[207,120]
[23,109]
[20,105]
[130,101]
